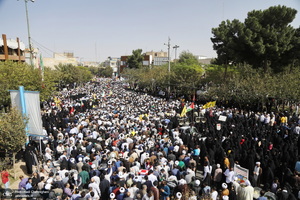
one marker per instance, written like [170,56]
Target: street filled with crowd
[105,141]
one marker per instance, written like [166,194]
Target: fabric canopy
[13,44]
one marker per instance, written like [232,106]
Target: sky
[97,29]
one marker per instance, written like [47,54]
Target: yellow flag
[213,104]
[209,104]
[183,112]
[141,117]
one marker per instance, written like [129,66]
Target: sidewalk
[20,168]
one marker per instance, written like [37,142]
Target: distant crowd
[106,142]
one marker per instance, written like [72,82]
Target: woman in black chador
[30,157]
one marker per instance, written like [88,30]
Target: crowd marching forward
[106,142]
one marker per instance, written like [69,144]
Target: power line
[53,52]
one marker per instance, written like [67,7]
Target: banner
[33,110]
[241,173]
[222,118]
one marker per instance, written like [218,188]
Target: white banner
[241,173]
[222,118]
[33,110]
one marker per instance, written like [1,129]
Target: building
[204,59]
[88,64]
[156,54]
[60,58]
[11,49]
[114,63]
[158,57]
[147,61]
[151,58]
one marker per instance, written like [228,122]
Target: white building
[60,58]
[114,63]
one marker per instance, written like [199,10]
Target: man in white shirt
[214,193]
[134,169]
[48,155]
[133,190]
[60,148]
[151,176]
[95,187]
[97,179]
[229,173]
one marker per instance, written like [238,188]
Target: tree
[247,87]
[13,74]
[82,75]
[186,77]
[106,71]
[12,131]
[136,59]
[261,41]
[226,41]
[69,74]
[66,73]
[292,57]
[187,58]
[49,85]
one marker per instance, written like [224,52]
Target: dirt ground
[20,168]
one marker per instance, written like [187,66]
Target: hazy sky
[96,29]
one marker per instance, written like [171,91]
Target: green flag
[42,66]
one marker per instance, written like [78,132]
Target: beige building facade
[60,58]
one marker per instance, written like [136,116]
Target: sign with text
[241,173]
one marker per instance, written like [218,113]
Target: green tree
[82,75]
[136,59]
[12,131]
[94,70]
[215,73]
[187,58]
[226,41]
[66,73]
[292,58]
[261,41]
[69,74]
[186,77]
[106,71]
[13,75]
[50,83]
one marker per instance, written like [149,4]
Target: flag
[191,107]
[209,104]
[194,98]
[213,103]
[42,66]
[183,112]
[72,110]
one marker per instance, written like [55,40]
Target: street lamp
[175,47]
[28,29]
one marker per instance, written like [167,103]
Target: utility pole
[169,62]
[29,38]
[175,47]
[169,69]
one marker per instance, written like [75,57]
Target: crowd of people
[107,142]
